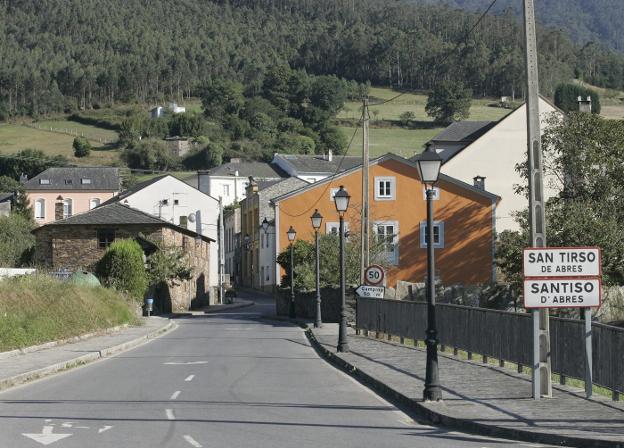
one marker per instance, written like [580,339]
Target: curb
[21,378]
[432,416]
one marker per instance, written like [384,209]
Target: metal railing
[502,335]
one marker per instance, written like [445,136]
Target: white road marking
[67,424]
[175,395]
[170,415]
[46,437]
[190,363]
[192,441]
[189,378]
[105,428]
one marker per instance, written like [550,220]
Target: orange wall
[467,254]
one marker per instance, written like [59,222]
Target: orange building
[464,217]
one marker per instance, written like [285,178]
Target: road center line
[192,441]
[189,378]
[175,395]
[170,415]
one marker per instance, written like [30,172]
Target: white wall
[190,200]
[215,187]
[266,258]
[495,156]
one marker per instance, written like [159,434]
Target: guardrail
[503,335]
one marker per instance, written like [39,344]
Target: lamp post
[429,163]
[317,219]
[292,234]
[247,246]
[341,199]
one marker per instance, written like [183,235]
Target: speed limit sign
[374,275]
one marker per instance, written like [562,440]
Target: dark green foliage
[122,268]
[207,156]
[82,147]
[150,154]
[16,242]
[29,162]
[187,125]
[168,265]
[19,203]
[407,117]
[566,97]
[449,101]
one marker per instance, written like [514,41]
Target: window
[67,208]
[164,202]
[385,188]
[387,235]
[95,202]
[262,272]
[438,234]
[267,271]
[105,238]
[40,209]
[226,190]
[176,202]
[436,194]
[333,228]
[44,181]
[85,181]
[68,182]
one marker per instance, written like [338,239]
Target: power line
[450,53]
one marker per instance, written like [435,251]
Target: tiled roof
[259,170]
[319,163]
[464,131]
[75,178]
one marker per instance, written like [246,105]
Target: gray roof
[259,170]
[71,178]
[116,214]
[319,163]
[464,131]
[6,196]
[279,188]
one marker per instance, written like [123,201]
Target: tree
[122,268]
[187,125]
[17,243]
[449,101]
[82,147]
[168,265]
[406,117]
[333,139]
[566,97]
[208,156]
[150,154]
[29,162]
[19,203]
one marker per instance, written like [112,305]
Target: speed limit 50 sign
[374,275]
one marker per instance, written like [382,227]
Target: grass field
[402,142]
[93,133]
[15,137]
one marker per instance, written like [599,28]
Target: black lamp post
[291,237]
[341,199]
[265,225]
[429,163]
[317,219]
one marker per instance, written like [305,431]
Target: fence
[72,132]
[502,335]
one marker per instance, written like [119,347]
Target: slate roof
[319,164]
[259,170]
[70,179]
[464,131]
[116,214]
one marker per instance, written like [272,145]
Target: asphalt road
[226,380]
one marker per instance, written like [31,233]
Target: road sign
[562,293]
[373,292]
[374,275]
[562,262]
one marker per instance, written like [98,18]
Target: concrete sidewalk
[478,398]
[17,368]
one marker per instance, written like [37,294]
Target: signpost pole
[588,352]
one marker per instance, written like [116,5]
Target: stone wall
[305,304]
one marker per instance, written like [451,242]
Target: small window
[436,194]
[387,236]
[385,188]
[69,181]
[85,181]
[44,181]
[438,234]
[176,202]
[40,209]
[95,202]
[68,208]
[105,238]
[164,202]
[226,190]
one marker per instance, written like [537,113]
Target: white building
[311,167]
[174,201]
[230,180]
[487,153]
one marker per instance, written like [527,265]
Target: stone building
[79,242]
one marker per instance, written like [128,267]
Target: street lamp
[292,234]
[247,246]
[341,199]
[429,163]
[317,219]
[265,225]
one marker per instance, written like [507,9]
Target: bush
[123,269]
[566,98]
[82,147]
[16,241]
[150,154]
[407,117]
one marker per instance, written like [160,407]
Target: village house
[79,242]
[465,231]
[77,189]
[313,167]
[491,151]
[173,200]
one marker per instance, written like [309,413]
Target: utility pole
[542,384]
[221,250]
[365,205]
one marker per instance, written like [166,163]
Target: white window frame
[436,194]
[390,258]
[226,190]
[92,200]
[335,224]
[384,197]
[41,203]
[68,208]
[44,181]
[423,241]
[85,181]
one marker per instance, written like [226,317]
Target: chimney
[58,208]
[585,106]
[330,155]
[252,187]
[479,182]
[23,178]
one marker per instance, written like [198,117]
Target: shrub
[122,268]
[82,147]
[16,241]
[566,97]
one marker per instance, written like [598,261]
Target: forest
[68,55]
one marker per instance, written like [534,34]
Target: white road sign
[374,275]
[374,292]
[562,293]
[562,262]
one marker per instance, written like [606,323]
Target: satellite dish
[191,217]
